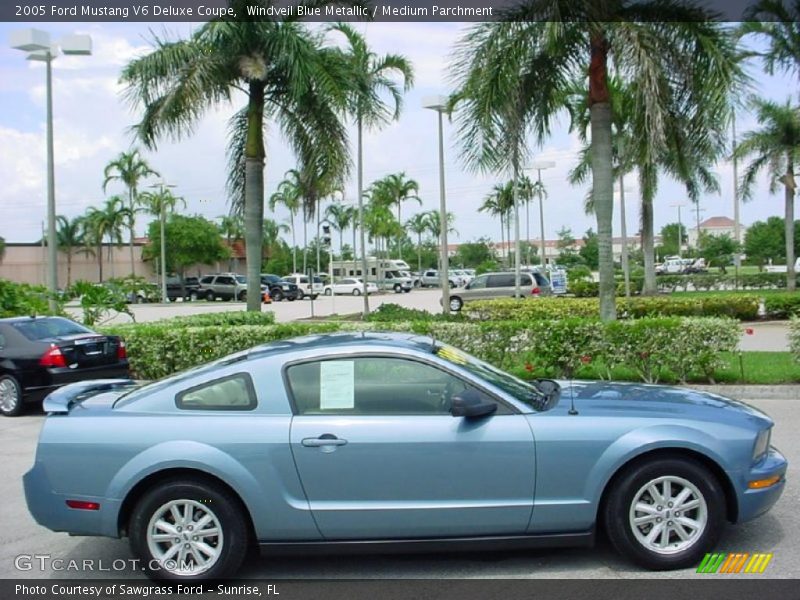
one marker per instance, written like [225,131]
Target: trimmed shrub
[23,300]
[794,338]
[782,306]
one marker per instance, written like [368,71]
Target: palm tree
[129,168]
[70,235]
[435,225]
[775,147]
[341,217]
[158,204]
[500,202]
[286,76]
[777,22]
[513,74]
[232,228]
[105,222]
[287,195]
[418,224]
[370,77]
[396,189]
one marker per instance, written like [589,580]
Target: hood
[603,398]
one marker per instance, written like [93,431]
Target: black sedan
[279,289]
[40,354]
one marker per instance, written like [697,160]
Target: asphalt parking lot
[762,336]
[777,532]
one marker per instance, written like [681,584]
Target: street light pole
[626,271]
[680,229]
[439,104]
[39,47]
[540,166]
[163,217]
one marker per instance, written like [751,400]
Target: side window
[235,392]
[541,279]
[501,280]
[478,283]
[207,280]
[224,280]
[372,386]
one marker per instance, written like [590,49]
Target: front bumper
[755,502]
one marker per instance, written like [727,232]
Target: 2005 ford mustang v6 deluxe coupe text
[328,442]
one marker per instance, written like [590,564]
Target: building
[717,226]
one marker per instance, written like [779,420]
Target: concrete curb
[752,392]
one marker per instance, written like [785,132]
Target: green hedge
[239,317]
[782,305]
[794,338]
[743,307]
[684,347]
[23,300]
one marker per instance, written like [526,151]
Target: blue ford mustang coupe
[336,441]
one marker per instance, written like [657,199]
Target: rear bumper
[755,502]
[64,375]
[49,509]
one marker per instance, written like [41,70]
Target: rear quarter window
[232,393]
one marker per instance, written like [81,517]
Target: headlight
[762,444]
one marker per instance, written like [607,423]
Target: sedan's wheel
[356,292]
[187,530]
[456,303]
[10,396]
[329,292]
[397,288]
[210,296]
[665,514]
[277,294]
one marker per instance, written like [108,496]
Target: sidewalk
[770,336]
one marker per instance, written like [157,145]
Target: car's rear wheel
[329,292]
[300,294]
[185,530]
[356,292]
[277,294]
[665,513]
[11,403]
[456,303]
[242,296]
[210,296]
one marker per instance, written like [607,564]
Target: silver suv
[500,285]
[226,286]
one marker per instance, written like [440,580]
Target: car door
[381,457]
[477,288]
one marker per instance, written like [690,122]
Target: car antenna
[572,410]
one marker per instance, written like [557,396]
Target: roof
[340,340]
[717,223]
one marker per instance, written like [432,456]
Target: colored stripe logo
[731,563]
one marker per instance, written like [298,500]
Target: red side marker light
[83,505]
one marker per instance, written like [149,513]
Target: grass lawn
[762,368]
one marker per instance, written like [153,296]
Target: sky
[92,126]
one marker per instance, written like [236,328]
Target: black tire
[300,294]
[277,294]
[356,292]
[456,304]
[397,288]
[210,296]
[242,297]
[628,486]
[12,402]
[314,296]
[222,504]
[329,292]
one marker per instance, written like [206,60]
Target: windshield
[523,391]
[40,329]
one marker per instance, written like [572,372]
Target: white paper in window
[337,384]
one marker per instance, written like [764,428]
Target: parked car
[394,441]
[430,278]
[782,268]
[396,282]
[414,277]
[305,288]
[350,285]
[225,286]
[278,288]
[501,285]
[186,289]
[39,354]
[464,276]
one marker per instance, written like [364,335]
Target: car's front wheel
[456,303]
[10,396]
[356,292]
[665,513]
[185,530]
[277,294]
[328,292]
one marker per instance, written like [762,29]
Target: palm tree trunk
[648,246]
[502,234]
[254,193]
[399,235]
[69,266]
[789,185]
[294,245]
[419,254]
[602,171]
[305,241]
[131,225]
[360,152]
[100,261]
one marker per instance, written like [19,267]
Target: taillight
[122,353]
[53,358]
[536,291]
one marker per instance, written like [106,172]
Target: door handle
[323,440]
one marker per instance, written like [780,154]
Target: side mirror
[471,404]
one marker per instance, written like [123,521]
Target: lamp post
[39,47]
[539,166]
[680,229]
[162,209]
[439,104]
